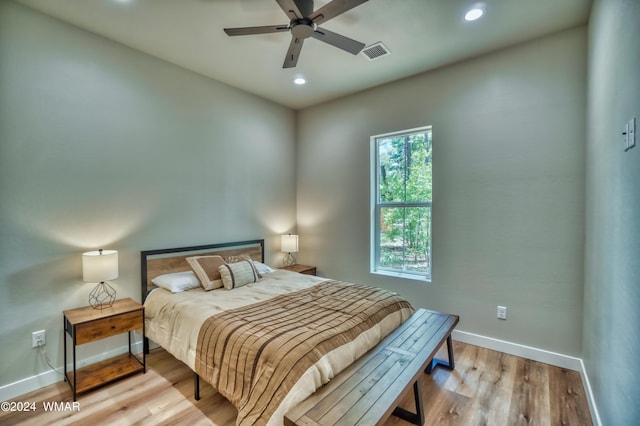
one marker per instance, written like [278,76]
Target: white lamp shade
[99,266]
[289,243]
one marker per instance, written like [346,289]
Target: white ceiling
[421,35]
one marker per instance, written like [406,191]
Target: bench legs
[416,418]
[196,387]
[435,362]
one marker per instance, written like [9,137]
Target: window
[401,203]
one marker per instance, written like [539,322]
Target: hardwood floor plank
[569,406]
[487,388]
[530,403]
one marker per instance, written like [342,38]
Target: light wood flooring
[486,388]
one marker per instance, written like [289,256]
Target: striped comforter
[254,355]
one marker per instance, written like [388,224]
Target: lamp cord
[42,350]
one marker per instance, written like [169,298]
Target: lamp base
[289,260]
[102,296]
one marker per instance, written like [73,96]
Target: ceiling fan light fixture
[475,12]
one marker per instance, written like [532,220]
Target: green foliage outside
[404,197]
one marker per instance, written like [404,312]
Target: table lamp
[100,266]
[289,244]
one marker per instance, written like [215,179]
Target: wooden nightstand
[302,269]
[86,325]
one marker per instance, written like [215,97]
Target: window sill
[414,277]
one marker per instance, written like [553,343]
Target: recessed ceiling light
[299,81]
[474,13]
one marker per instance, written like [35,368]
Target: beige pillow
[206,269]
[238,274]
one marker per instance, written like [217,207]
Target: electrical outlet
[38,338]
[502,312]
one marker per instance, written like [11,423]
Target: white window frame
[376,207]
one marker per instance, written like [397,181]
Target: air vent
[376,51]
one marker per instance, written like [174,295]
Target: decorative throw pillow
[177,281]
[237,274]
[240,258]
[206,269]
[237,258]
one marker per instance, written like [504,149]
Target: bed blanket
[254,355]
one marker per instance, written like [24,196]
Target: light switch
[631,133]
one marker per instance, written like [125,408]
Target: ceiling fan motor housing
[302,28]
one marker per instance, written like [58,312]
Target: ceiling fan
[304,24]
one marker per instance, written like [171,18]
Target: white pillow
[177,282]
[237,274]
[262,268]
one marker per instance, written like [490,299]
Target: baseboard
[21,387]
[595,415]
[535,354]
[30,384]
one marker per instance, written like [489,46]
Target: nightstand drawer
[111,326]
[301,269]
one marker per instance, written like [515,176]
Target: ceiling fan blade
[333,9]
[256,30]
[341,42]
[293,53]
[290,7]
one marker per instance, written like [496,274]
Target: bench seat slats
[427,345]
[362,395]
[392,385]
[368,391]
[342,385]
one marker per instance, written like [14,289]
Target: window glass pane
[391,170]
[391,238]
[405,238]
[417,239]
[418,174]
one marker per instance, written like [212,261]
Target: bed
[265,345]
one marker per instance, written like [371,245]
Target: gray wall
[509,152]
[612,255]
[102,146]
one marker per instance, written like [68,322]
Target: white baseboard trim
[30,384]
[595,415]
[21,387]
[535,354]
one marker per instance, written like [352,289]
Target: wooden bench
[369,391]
